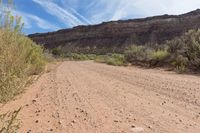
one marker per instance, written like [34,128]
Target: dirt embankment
[87,97]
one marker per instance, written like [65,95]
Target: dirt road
[87,97]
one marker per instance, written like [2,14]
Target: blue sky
[51,15]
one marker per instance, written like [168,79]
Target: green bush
[80,56]
[147,56]
[116,60]
[160,55]
[185,51]
[113,59]
[100,59]
[139,54]
[91,56]
[49,56]
[58,52]
[180,63]
[75,56]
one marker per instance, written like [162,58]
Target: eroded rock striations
[116,36]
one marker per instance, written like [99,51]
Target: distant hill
[116,36]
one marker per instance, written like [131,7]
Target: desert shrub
[91,56]
[116,60]
[182,53]
[139,54]
[100,59]
[48,56]
[160,55]
[58,52]
[19,58]
[147,55]
[192,48]
[185,51]
[180,63]
[80,56]
[113,59]
[75,56]
[7,20]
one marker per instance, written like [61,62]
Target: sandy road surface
[87,97]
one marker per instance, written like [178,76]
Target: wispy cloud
[42,23]
[106,10]
[143,8]
[67,16]
[29,20]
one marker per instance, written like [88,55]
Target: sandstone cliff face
[117,36]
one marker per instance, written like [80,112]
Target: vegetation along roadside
[20,57]
[181,54]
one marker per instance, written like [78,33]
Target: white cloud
[80,16]
[106,10]
[67,16]
[29,19]
[42,23]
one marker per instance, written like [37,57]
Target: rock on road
[88,97]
